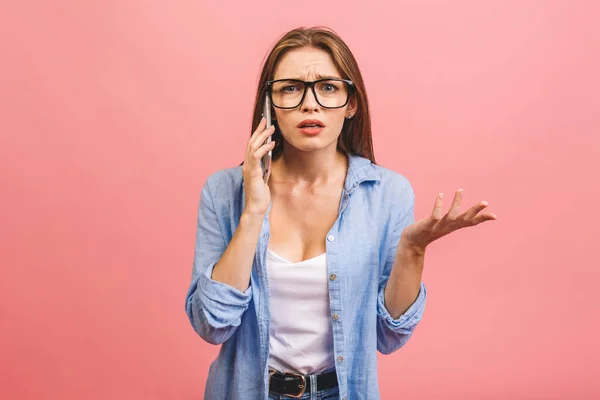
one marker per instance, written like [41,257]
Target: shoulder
[388,183]
[224,183]
[388,191]
[394,183]
[396,191]
[397,200]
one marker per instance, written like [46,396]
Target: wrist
[251,216]
[409,249]
[249,228]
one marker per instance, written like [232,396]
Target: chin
[312,144]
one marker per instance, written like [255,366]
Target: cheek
[336,119]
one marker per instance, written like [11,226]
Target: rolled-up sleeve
[214,308]
[394,333]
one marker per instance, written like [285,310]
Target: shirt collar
[360,170]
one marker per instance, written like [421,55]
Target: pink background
[112,115]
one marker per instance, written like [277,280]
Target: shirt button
[335,317]
[330,238]
[340,359]
[332,277]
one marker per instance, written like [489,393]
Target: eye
[328,87]
[290,89]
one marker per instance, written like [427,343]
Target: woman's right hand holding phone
[257,195]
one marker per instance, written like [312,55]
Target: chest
[299,222]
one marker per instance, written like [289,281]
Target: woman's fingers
[471,216]
[436,214]
[483,217]
[259,129]
[260,134]
[256,142]
[257,195]
[260,139]
[476,209]
[455,206]
[262,150]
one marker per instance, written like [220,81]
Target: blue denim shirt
[376,205]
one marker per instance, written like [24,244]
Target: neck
[311,167]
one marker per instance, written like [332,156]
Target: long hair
[356,136]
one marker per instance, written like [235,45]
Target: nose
[310,102]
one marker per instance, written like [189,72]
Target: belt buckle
[302,386]
[271,373]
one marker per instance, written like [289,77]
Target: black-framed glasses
[329,92]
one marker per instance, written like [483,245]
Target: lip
[312,122]
[313,131]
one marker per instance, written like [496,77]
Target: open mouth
[311,124]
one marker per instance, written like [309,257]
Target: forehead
[306,63]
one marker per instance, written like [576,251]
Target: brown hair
[356,132]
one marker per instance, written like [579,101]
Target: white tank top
[301,330]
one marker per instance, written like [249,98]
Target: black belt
[295,385]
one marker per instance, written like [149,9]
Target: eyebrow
[318,76]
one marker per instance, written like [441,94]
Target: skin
[311,171]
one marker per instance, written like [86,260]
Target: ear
[352,106]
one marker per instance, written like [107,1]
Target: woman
[304,278]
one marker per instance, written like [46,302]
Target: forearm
[404,282]
[235,266]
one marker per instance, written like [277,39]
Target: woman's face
[309,64]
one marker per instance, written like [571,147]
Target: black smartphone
[266,159]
